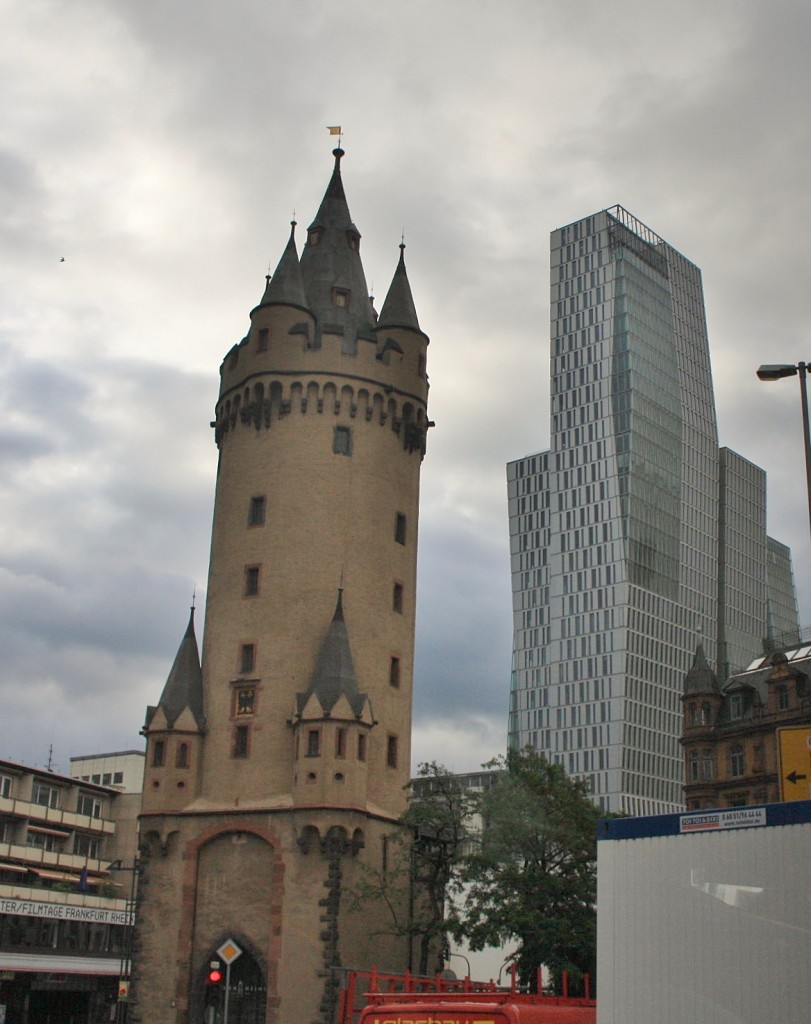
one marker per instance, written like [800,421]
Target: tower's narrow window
[342,441]
[391,751]
[394,671]
[182,757]
[251,580]
[362,746]
[247,658]
[256,510]
[241,737]
[400,528]
[158,754]
[263,339]
[313,743]
[340,742]
[397,598]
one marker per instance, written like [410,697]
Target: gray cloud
[162,149]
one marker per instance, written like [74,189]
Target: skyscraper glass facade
[615,530]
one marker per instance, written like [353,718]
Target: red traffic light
[214,976]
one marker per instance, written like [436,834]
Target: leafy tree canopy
[532,876]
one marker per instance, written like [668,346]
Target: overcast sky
[161,148]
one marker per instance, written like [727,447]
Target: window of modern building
[118,778]
[251,580]
[44,841]
[88,805]
[86,846]
[5,785]
[391,751]
[342,441]
[247,658]
[158,753]
[313,743]
[44,795]
[394,671]
[400,528]
[241,738]
[182,756]
[397,598]
[256,510]
[244,700]
[263,339]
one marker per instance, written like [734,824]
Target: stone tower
[276,768]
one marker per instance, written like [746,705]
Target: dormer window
[354,240]
[735,706]
[340,298]
[314,236]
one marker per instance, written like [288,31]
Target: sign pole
[227,993]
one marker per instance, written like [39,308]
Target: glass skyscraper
[633,537]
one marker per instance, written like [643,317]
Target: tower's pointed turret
[286,286]
[398,308]
[184,684]
[700,679]
[332,270]
[334,674]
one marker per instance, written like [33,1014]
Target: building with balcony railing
[67,884]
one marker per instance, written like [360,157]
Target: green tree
[532,876]
[422,859]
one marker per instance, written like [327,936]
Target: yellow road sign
[794,746]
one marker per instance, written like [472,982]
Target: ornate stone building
[277,766]
[731,737]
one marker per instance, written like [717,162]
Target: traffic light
[214,975]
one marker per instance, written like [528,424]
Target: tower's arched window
[182,758]
[158,753]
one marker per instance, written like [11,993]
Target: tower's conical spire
[184,685]
[334,674]
[331,267]
[398,308]
[286,286]
[700,678]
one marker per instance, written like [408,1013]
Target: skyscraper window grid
[614,531]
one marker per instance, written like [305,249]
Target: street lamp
[777,372]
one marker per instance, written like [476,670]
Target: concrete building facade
[65,909]
[277,766]
[633,535]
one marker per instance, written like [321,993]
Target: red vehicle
[406,999]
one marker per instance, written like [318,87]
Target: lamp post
[777,372]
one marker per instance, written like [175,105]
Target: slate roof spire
[184,685]
[398,308]
[334,674]
[331,268]
[700,678]
[286,286]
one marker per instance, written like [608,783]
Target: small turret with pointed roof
[700,679]
[184,684]
[334,674]
[398,308]
[286,286]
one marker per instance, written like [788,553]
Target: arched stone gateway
[239,998]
